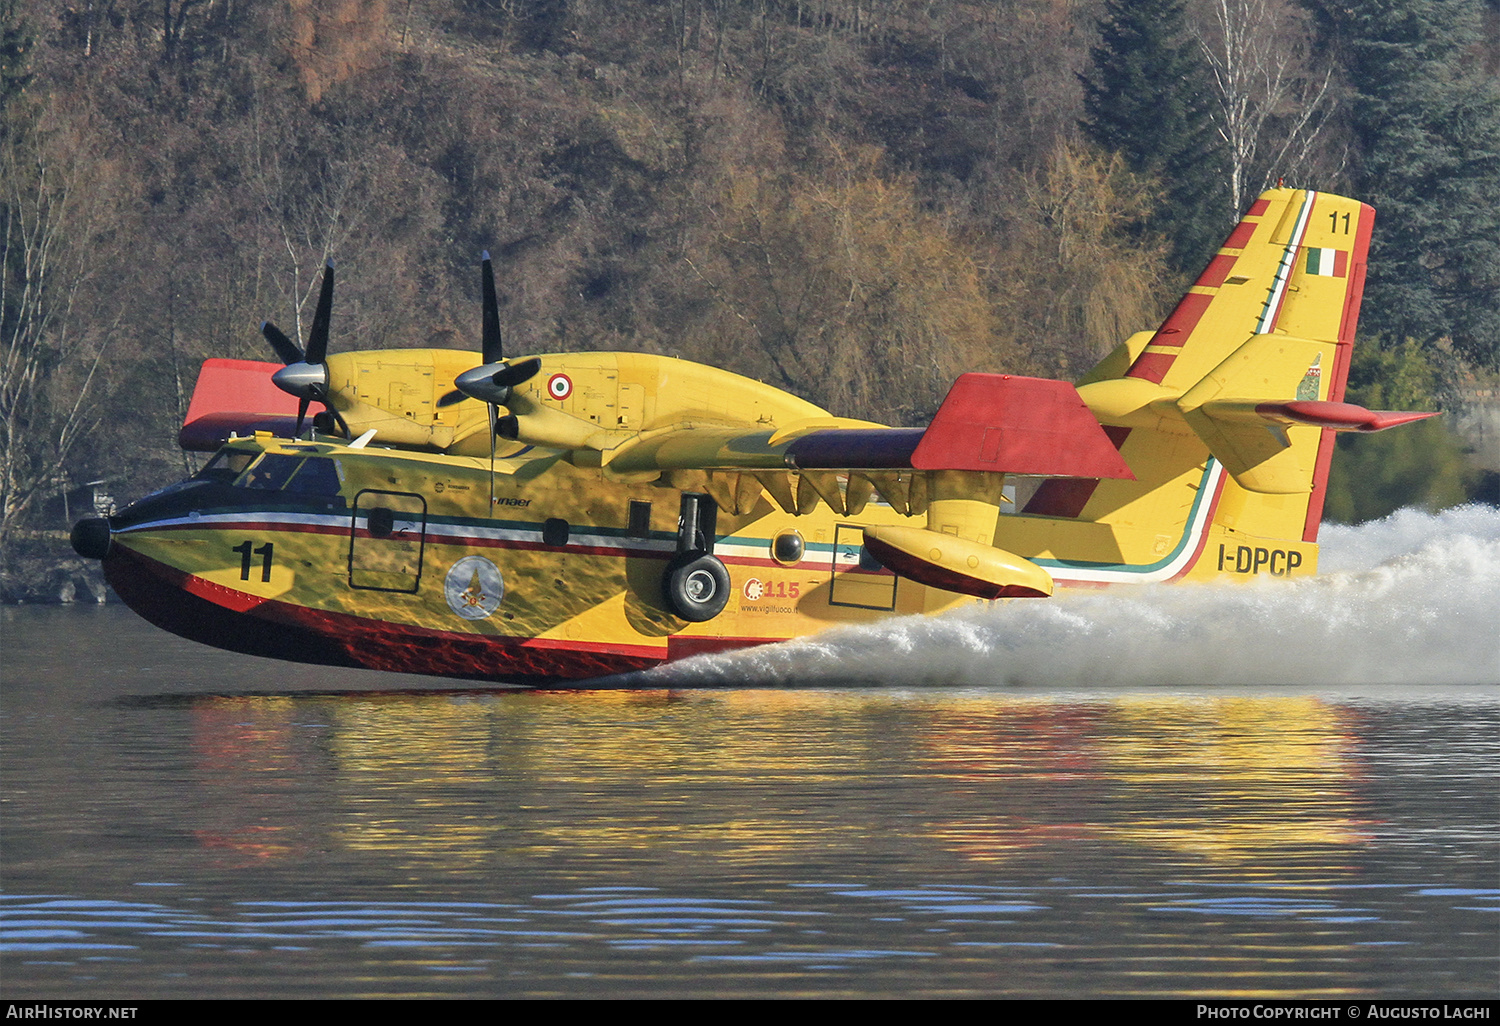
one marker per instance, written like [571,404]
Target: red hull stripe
[225,618]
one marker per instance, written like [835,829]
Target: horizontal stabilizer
[1249,436]
[1337,416]
[235,397]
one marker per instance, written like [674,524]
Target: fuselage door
[857,579]
[386,534]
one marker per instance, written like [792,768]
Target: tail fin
[1293,268]
[1257,353]
[1226,412]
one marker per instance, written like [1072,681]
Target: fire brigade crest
[474,587]
[1312,381]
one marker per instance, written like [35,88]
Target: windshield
[313,475]
[226,465]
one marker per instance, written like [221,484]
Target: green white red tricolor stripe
[1327,263]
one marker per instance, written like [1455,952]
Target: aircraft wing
[988,424]
[235,397]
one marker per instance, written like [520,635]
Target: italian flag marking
[1328,263]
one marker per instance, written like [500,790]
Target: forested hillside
[855,200]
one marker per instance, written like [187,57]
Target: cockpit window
[272,472]
[226,465]
[317,477]
[313,475]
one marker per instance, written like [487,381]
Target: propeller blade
[493,411]
[451,398]
[287,351]
[513,374]
[302,405]
[490,342]
[317,339]
[342,423]
[493,382]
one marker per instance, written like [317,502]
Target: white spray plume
[1411,599]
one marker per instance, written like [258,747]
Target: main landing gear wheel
[695,586]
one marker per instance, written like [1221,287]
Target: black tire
[695,586]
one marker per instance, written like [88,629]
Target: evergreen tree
[1148,98]
[16,40]
[1426,120]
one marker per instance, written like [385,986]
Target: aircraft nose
[91,538]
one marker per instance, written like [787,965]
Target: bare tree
[1272,105]
[56,208]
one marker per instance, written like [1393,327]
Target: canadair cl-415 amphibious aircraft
[574,515]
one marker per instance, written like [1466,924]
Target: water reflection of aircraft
[757,775]
[1223,780]
[575,514]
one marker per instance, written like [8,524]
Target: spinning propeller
[492,381]
[306,373]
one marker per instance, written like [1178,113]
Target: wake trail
[1411,599]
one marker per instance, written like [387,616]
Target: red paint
[1066,497]
[1258,208]
[1348,324]
[1174,332]
[1339,416]
[222,617]
[1151,366]
[1217,270]
[234,394]
[1016,425]
[1181,321]
[1240,237]
[934,576]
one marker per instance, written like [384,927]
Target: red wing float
[579,514]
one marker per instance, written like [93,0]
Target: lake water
[1254,791]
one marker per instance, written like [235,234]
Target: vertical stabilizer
[1226,413]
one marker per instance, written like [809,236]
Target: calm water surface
[178,821]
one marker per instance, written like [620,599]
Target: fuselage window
[555,532]
[788,548]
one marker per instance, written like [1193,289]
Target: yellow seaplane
[574,515]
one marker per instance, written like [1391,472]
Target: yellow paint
[598,434]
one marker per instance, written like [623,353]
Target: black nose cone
[91,538]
